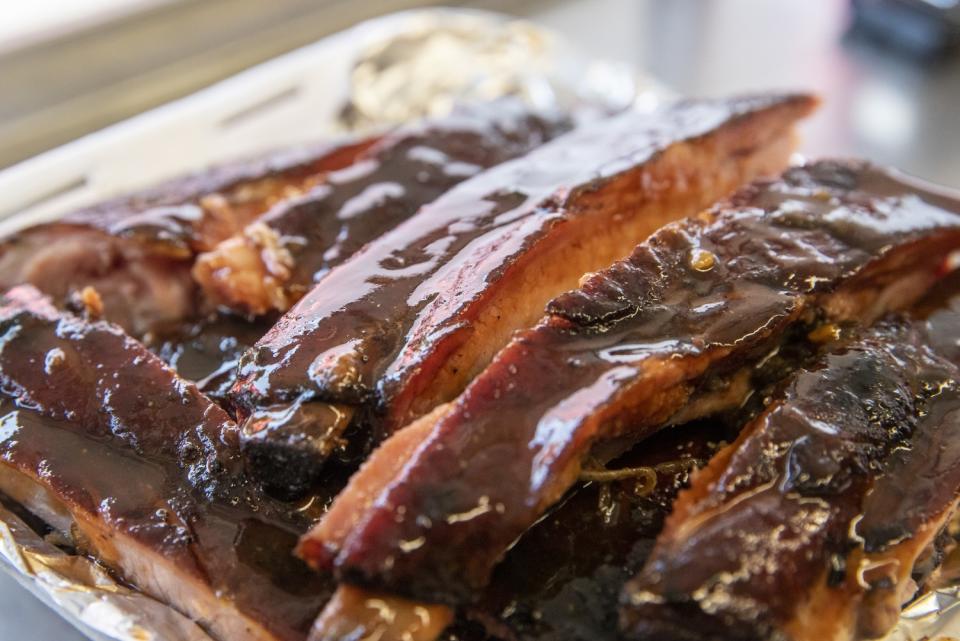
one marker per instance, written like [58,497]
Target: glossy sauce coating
[137,250]
[376,332]
[562,580]
[151,466]
[777,538]
[208,351]
[637,343]
[920,482]
[297,242]
[192,213]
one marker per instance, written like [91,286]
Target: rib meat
[352,613]
[193,213]
[109,446]
[674,332]
[810,524]
[274,261]
[562,580]
[137,250]
[407,322]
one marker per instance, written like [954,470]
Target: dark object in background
[927,29]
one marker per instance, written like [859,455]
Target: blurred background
[887,69]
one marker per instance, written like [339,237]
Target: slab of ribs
[503,375]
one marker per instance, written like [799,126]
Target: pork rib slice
[105,443]
[563,578]
[405,323]
[672,333]
[810,525]
[274,261]
[137,250]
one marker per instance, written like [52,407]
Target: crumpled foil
[84,593]
[432,60]
[934,616]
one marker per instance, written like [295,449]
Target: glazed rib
[562,579]
[193,213]
[406,323]
[672,333]
[352,613]
[809,526]
[274,261]
[137,250]
[105,443]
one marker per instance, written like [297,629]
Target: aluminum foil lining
[933,617]
[84,593]
[432,60]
